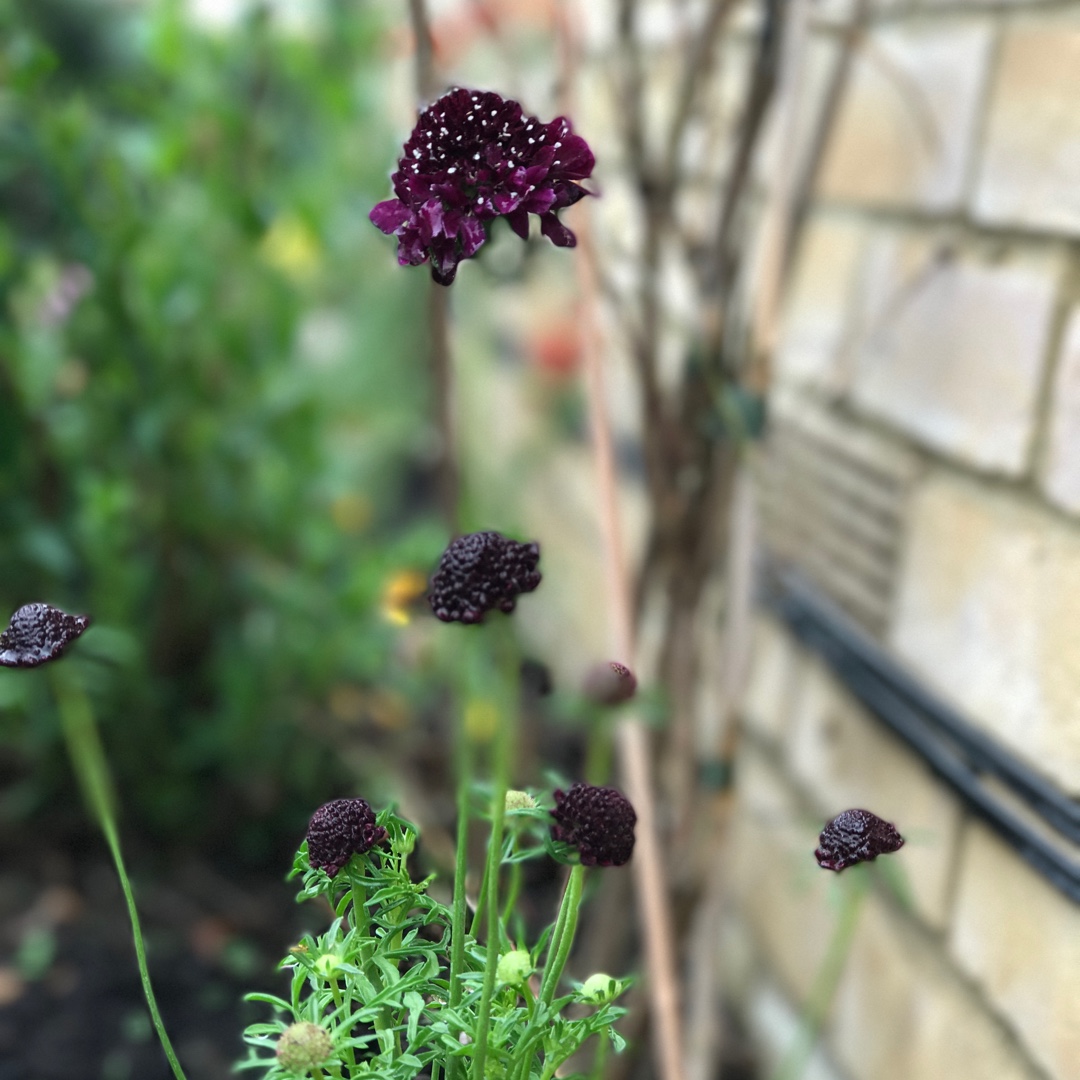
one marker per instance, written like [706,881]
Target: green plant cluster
[210,394]
[377,981]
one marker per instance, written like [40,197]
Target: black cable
[956,751]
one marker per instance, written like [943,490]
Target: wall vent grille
[833,506]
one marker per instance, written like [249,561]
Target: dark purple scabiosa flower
[340,829]
[598,821]
[609,684]
[38,633]
[474,157]
[480,572]
[855,836]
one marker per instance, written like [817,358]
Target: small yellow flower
[352,512]
[401,591]
[291,247]
[481,719]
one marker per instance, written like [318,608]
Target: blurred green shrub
[211,394]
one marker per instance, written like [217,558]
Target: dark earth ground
[71,1004]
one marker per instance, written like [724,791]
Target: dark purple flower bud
[38,633]
[609,684]
[480,572]
[598,821]
[340,829]
[855,836]
[474,157]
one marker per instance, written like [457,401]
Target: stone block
[949,347]
[845,758]
[901,1013]
[780,891]
[905,132]
[987,611]
[1020,939]
[771,680]
[1029,172]
[818,302]
[1061,467]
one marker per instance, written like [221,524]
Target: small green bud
[599,989]
[519,800]
[514,967]
[327,964]
[303,1047]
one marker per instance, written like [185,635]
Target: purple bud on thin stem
[38,633]
[610,683]
[855,836]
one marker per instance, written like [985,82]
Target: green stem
[560,949]
[92,769]
[504,749]
[461,869]
[603,1041]
[855,888]
[512,894]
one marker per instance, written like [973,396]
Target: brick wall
[935,309]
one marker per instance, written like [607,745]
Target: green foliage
[211,391]
[377,982]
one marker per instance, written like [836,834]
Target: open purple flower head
[482,571]
[473,157]
[340,829]
[855,836]
[598,821]
[38,633]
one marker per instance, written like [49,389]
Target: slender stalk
[568,918]
[92,769]
[461,870]
[855,888]
[504,749]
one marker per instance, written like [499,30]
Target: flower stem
[563,938]
[505,740]
[854,888]
[461,869]
[92,769]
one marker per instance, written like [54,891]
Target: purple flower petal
[556,231]
[519,222]
[38,633]
[480,156]
[389,216]
[472,237]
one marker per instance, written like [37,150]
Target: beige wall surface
[934,305]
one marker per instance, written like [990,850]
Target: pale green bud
[303,1047]
[514,967]
[519,800]
[599,989]
[327,964]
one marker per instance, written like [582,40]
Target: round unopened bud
[303,1047]
[599,989]
[610,683]
[514,967]
[519,800]
[327,964]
